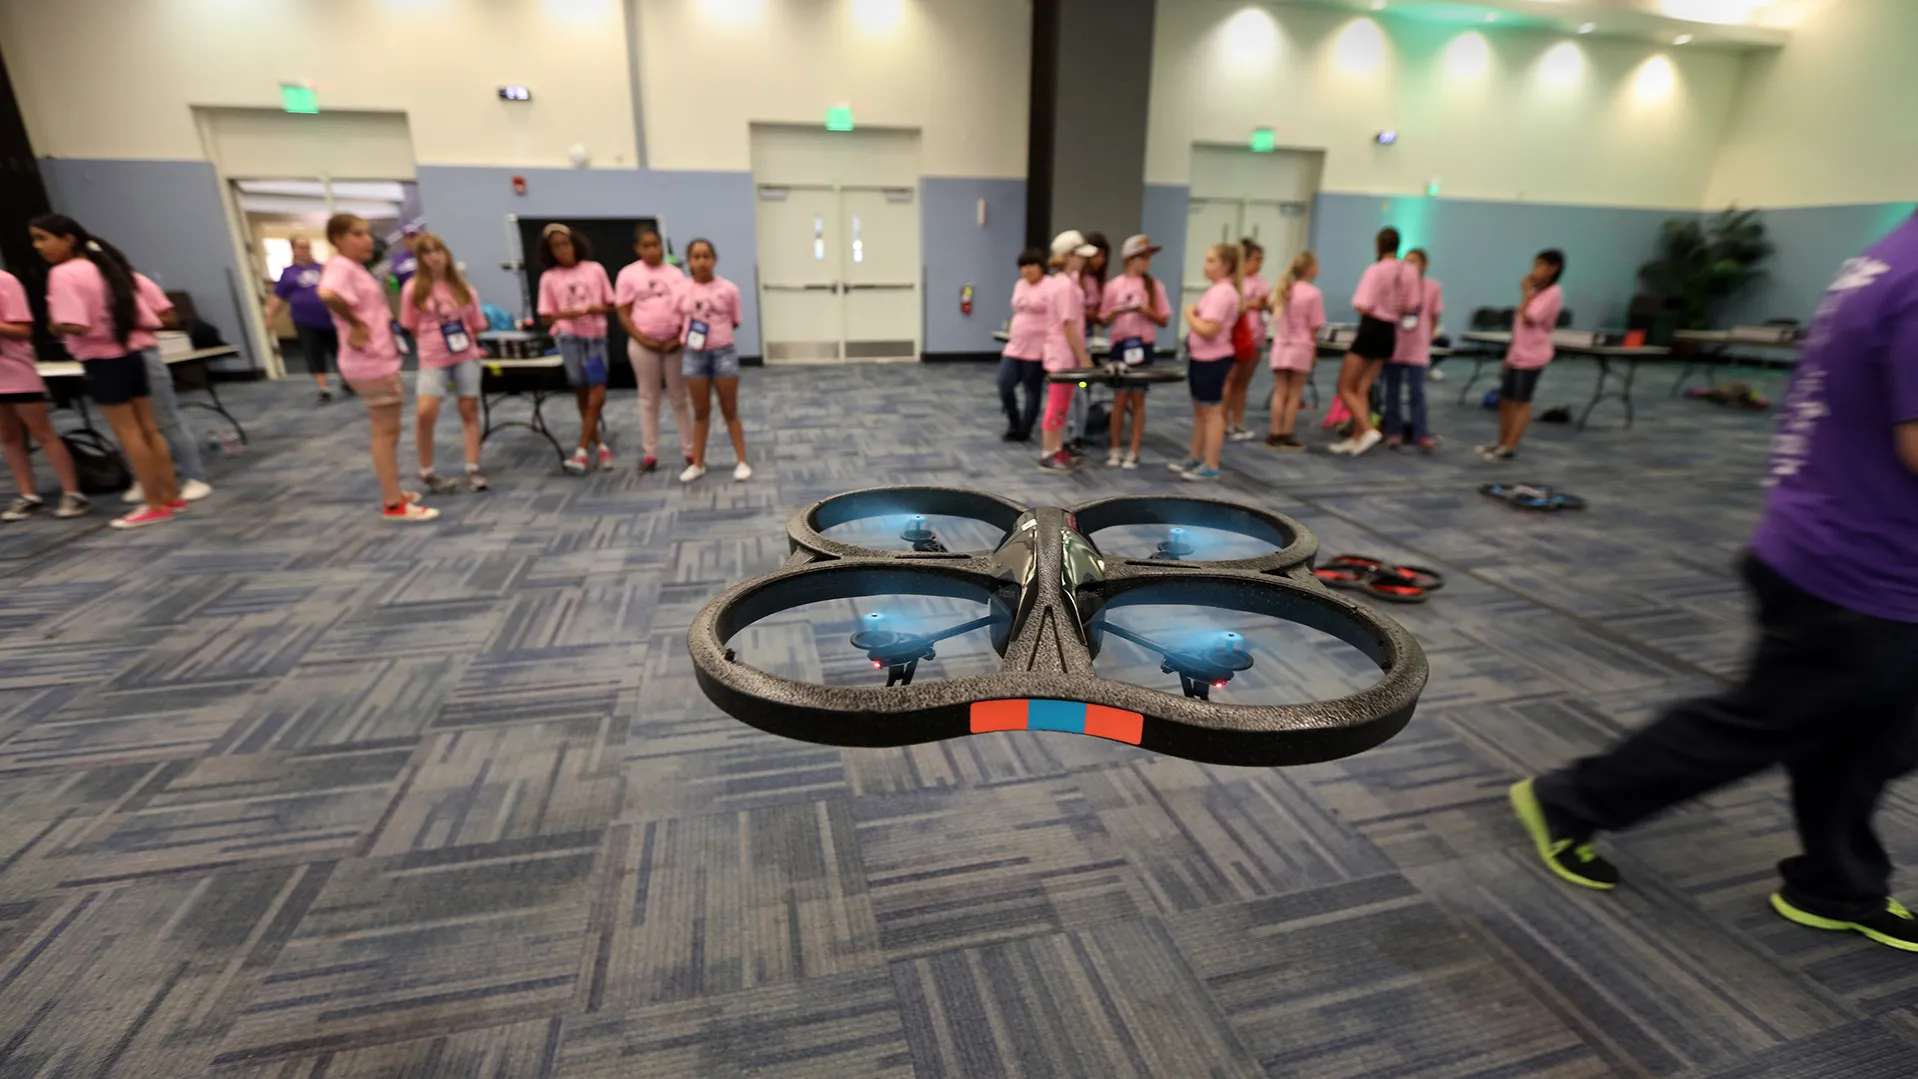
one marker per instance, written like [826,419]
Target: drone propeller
[898,654]
[1174,547]
[924,540]
[1200,672]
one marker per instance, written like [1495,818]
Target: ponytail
[105,258]
[1234,258]
[1294,273]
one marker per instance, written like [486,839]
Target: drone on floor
[1049,594]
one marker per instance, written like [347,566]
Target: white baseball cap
[1139,245]
[1072,242]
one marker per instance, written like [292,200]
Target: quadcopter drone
[1117,374]
[1048,592]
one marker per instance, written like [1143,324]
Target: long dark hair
[582,249]
[118,276]
[1554,258]
[1098,240]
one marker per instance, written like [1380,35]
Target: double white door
[1282,227]
[839,272]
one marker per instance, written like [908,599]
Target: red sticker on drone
[1073,717]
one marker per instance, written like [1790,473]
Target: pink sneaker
[1428,444]
[1393,442]
[178,505]
[605,458]
[141,518]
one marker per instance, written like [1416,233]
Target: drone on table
[1049,593]
[1118,375]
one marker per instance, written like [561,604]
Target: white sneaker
[1131,461]
[134,494]
[1241,435]
[1344,445]
[1366,441]
[742,472]
[195,490]
[692,473]
[1114,458]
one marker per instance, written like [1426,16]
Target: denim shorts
[464,375]
[584,359]
[720,362]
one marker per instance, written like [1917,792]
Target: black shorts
[1207,379]
[33,398]
[1377,339]
[320,348]
[1518,384]
[1140,388]
[116,379]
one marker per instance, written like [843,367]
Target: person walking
[298,289]
[1831,690]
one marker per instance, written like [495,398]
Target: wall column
[1086,159]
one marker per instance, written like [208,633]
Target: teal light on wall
[297,98]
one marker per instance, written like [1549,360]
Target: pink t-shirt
[1532,331]
[1066,302]
[428,324]
[1295,341]
[1387,288]
[155,298]
[350,282]
[1095,292]
[77,294]
[17,372]
[583,284]
[1415,346]
[1255,286]
[1031,305]
[1219,304]
[653,294]
[716,303]
[1126,291]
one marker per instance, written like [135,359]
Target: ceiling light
[1587,27]
[1682,39]
[1378,5]
[1491,16]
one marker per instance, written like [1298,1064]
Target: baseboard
[959,357]
[752,361]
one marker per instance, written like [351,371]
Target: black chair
[1564,317]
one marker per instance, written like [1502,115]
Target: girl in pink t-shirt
[23,412]
[1065,341]
[574,297]
[1388,290]
[1300,311]
[369,360]
[1255,294]
[709,308]
[93,303]
[1093,280]
[1021,363]
[444,315]
[1405,415]
[1209,344]
[647,294]
[1135,307]
[1540,301]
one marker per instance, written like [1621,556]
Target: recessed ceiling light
[1587,27]
[1682,39]
[1491,16]
[1378,5]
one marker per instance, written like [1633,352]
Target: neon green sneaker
[1574,860]
[1892,927]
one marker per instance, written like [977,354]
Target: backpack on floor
[97,464]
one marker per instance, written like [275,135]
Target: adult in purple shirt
[299,289]
[1832,690]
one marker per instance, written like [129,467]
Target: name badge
[1132,351]
[1409,321]
[453,332]
[696,335]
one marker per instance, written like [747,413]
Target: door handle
[851,287]
[831,286]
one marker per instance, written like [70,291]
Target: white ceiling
[1740,24]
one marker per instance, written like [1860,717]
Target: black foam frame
[1058,593]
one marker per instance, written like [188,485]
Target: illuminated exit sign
[839,118]
[1264,141]
[295,97]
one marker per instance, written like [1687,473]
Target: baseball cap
[1072,242]
[1139,245]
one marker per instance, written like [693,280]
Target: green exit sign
[839,118]
[1264,140]
[297,98]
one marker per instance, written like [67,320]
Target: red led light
[877,665]
[1218,685]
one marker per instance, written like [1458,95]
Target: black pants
[1013,374]
[320,347]
[1831,694]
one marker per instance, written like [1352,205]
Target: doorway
[837,217]
[1237,194]
[612,241]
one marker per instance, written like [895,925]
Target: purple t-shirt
[299,286]
[1841,518]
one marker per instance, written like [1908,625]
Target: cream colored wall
[1833,117]
[118,78]
[955,69]
[1597,134]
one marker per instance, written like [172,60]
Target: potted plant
[1701,264]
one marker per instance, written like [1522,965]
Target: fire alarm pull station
[519,185]
[965,299]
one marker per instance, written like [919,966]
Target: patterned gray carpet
[286,791]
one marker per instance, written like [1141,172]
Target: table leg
[1631,371]
[1598,391]
[1465,391]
